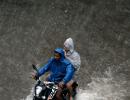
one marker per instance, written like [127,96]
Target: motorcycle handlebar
[47,82]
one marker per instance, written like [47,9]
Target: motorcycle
[45,89]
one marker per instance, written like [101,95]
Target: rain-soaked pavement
[31,29]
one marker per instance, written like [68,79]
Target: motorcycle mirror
[34,67]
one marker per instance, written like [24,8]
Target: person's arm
[69,73]
[75,60]
[76,63]
[44,68]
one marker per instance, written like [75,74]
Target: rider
[61,70]
[74,58]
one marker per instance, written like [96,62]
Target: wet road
[31,29]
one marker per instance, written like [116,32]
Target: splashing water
[104,89]
[101,89]
[98,90]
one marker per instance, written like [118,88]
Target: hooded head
[69,44]
[60,52]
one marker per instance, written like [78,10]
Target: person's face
[57,56]
[66,49]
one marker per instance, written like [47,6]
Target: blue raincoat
[61,70]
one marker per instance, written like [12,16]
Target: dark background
[31,29]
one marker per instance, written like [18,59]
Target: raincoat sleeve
[75,61]
[69,73]
[44,68]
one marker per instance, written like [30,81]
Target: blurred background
[31,29]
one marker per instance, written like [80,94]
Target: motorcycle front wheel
[35,98]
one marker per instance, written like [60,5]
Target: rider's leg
[69,86]
[59,94]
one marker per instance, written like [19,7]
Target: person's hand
[49,98]
[34,75]
[61,84]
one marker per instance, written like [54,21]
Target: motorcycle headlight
[38,90]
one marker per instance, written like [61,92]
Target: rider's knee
[69,84]
[58,96]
